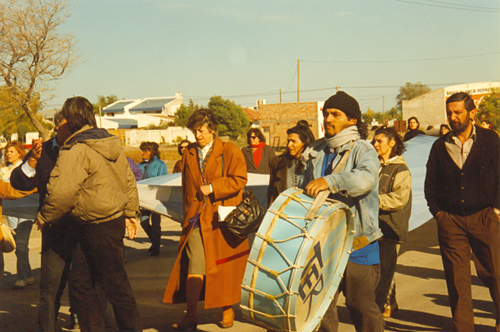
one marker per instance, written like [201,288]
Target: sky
[250,50]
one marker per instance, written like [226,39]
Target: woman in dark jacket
[413,124]
[181,148]
[152,166]
[286,169]
[257,154]
[394,212]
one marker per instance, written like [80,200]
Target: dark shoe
[73,319]
[154,251]
[20,284]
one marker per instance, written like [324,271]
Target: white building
[430,108]
[138,113]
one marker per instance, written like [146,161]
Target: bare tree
[33,52]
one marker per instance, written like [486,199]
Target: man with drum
[462,189]
[347,166]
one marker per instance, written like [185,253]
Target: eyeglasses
[253,137]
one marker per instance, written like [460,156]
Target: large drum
[295,265]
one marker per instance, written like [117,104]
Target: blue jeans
[23,230]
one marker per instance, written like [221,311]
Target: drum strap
[323,195]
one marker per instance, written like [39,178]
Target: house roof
[251,114]
[117,107]
[153,104]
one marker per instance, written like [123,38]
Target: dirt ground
[421,289]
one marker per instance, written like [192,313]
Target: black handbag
[246,217]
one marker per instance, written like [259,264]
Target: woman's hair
[201,117]
[305,135]
[180,144]
[416,120]
[153,147]
[257,133]
[444,125]
[18,146]
[391,133]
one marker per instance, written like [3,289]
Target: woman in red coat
[213,174]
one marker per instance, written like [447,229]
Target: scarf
[203,161]
[257,155]
[345,136]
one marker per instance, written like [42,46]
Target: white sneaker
[30,281]
[20,284]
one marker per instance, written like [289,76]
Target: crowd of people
[83,164]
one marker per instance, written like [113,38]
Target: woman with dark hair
[444,129]
[394,212]
[257,154]
[413,124]
[14,155]
[286,169]
[213,175]
[180,149]
[152,166]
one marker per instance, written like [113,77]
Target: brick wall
[276,119]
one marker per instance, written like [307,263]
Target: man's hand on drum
[315,186]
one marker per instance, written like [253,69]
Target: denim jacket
[356,186]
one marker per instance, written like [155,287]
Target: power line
[276,93]
[467,6]
[413,60]
[454,6]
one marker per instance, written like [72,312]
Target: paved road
[421,289]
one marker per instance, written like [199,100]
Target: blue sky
[248,50]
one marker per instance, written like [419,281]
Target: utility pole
[383,110]
[298,80]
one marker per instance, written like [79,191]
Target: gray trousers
[358,287]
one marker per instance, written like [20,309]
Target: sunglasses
[253,137]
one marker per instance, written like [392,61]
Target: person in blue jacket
[152,166]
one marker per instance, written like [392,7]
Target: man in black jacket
[462,189]
[59,246]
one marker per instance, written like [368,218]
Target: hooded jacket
[92,180]
[395,199]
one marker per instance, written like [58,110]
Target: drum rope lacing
[291,266]
[304,233]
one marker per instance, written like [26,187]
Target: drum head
[295,265]
[321,276]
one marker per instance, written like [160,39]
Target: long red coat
[225,254]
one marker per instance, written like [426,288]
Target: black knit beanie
[347,104]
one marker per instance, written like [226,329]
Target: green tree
[489,109]
[33,51]
[184,112]
[393,114]
[14,119]
[410,91]
[162,125]
[103,101]
[370,114]
[232,121]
